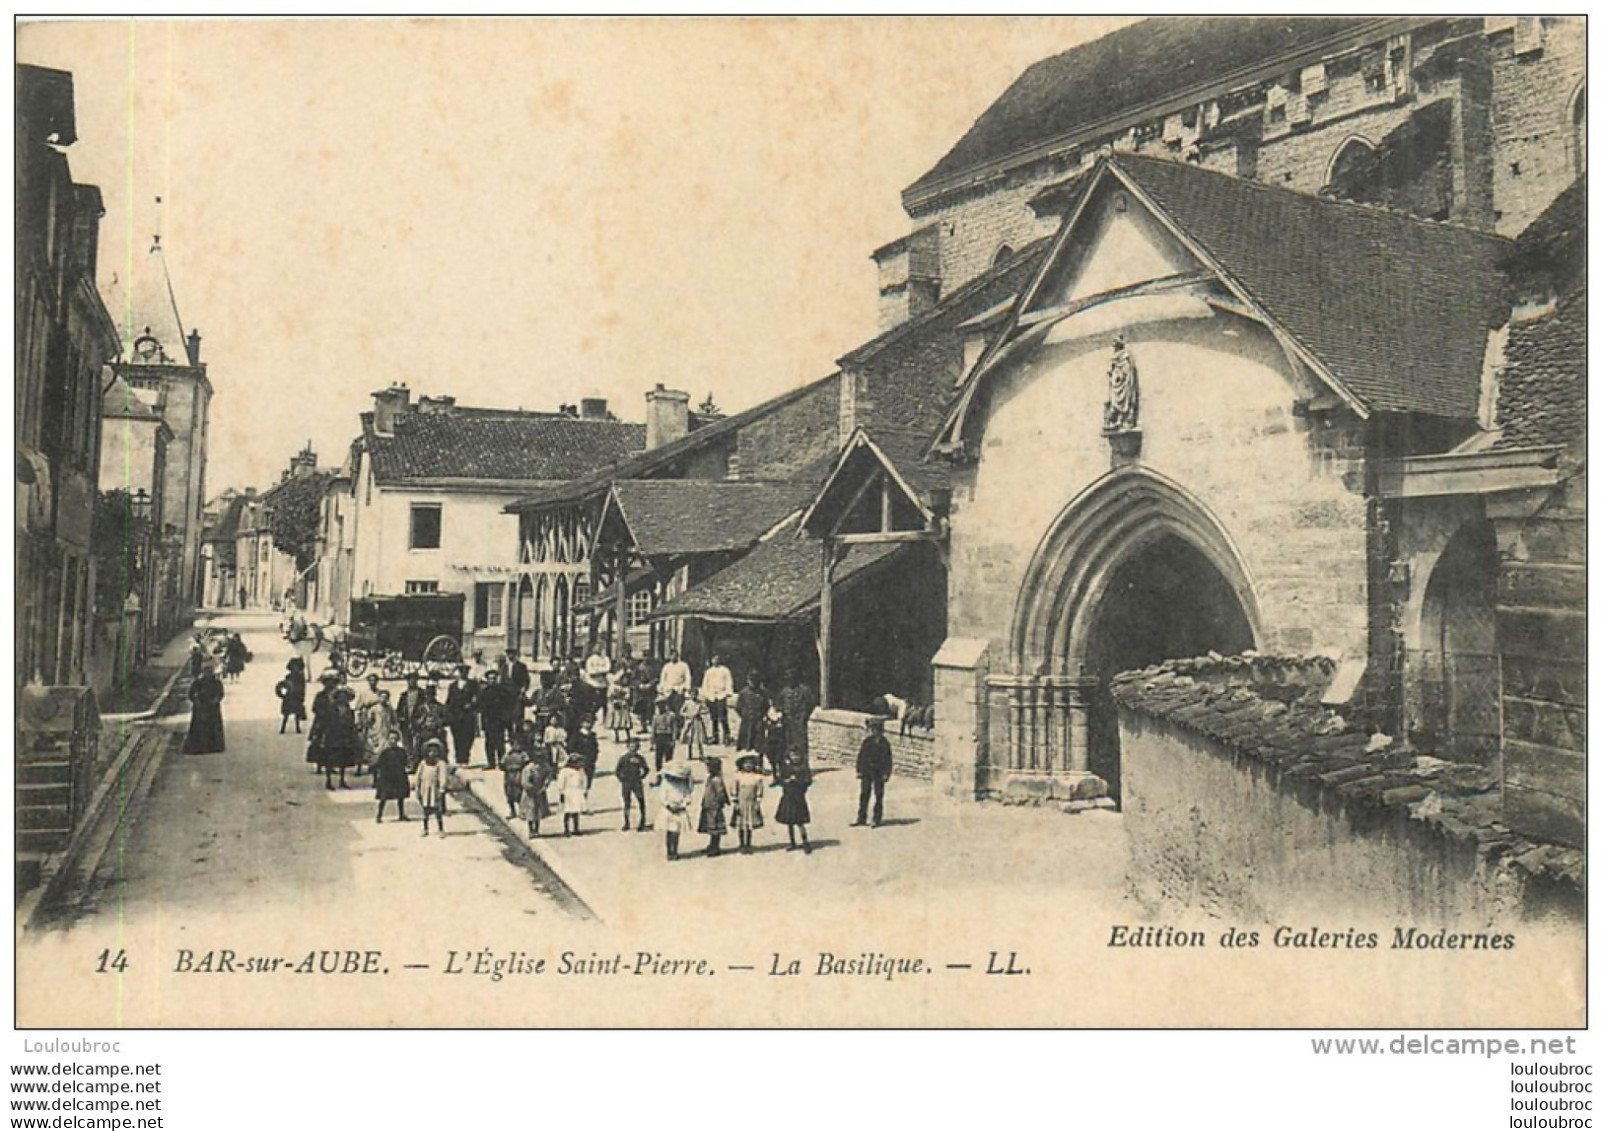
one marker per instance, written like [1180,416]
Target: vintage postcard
[800,523]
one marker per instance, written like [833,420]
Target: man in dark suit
[461,714]
[406,718]
[498,713]
[517,675]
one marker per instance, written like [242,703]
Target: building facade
[1212,337]
[428,487]
[64,340]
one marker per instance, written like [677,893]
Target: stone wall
[798,436]
[1532,117]
[1541,619]
[1244,798]
[836,736]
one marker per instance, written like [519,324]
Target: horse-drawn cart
[420,632]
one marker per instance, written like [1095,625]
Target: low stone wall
[1245,798]
[836,736]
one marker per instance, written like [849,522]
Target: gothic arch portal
[1110,523]
[1134,571]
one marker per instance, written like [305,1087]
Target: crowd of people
[539,734]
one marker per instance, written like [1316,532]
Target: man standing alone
[874,763]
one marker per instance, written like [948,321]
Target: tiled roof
[1396,308]
[1266,709]
[1558,233]
[778,580]
[899,451]
[641,464]
[972,298]
[488,444]
[1541,395]
[1130,70]
[672,517]
[905,450]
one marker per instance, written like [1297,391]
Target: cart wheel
[394,666]
[355,663]
[442,654]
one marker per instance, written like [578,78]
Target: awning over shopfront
[780,580]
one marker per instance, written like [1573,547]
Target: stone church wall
[1219,419]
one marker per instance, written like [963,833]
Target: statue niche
[1121,412]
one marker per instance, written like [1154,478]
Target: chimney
[667,417]
[909,276]
[305,463]
[592,408]
[192,347]
[387,405]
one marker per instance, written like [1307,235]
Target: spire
[145,305]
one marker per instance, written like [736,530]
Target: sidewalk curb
[490,799]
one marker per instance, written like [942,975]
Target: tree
[118,551]
[709,409]
[296,516]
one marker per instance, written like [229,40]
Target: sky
[517,213]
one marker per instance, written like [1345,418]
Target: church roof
[1136,70]
[1395,308]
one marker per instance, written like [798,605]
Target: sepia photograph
[828,523]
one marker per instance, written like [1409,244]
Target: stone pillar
[1079,697]
[962,722]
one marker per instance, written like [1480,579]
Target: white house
[429,486]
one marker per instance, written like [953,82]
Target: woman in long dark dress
[205,714]
[332,743]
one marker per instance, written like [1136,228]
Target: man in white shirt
[675,682]
[717,688]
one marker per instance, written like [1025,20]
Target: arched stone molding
[1111,520]
[1340,151]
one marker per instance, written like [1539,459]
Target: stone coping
[1267,710]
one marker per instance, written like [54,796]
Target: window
[425,526]
[639,607]
[415,587]
[489,605]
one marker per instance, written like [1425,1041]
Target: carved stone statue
[1122,410]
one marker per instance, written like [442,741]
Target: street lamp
[141,501]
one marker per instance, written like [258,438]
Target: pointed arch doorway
[1133,572]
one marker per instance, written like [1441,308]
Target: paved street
[253,834]
[247,850]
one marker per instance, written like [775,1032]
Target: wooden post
[620,601]
[825,622]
